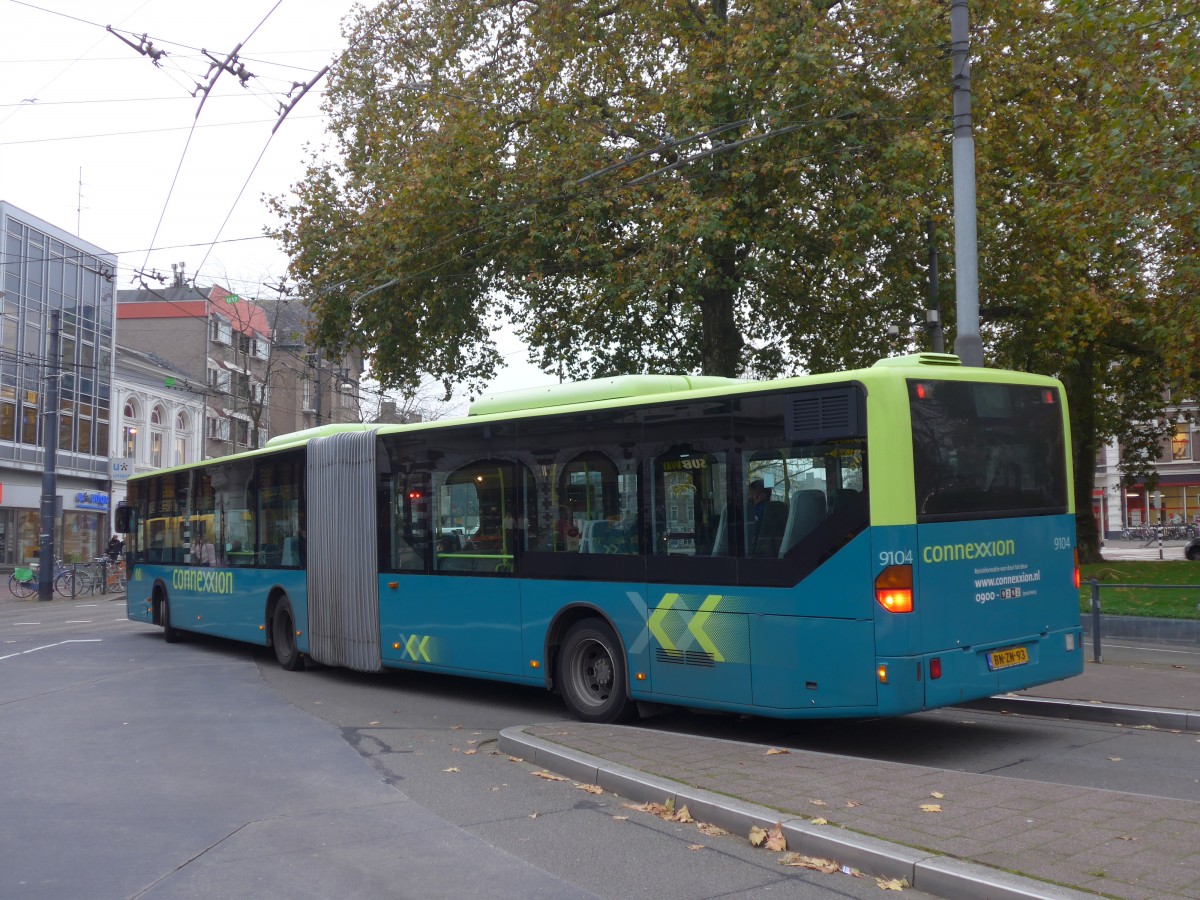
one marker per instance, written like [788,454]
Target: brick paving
[1108,842]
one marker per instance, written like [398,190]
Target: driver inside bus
[203,552]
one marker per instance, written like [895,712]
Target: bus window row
[237,514]
[505,515]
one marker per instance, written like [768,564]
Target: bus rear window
[984,450]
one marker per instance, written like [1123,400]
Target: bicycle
[74,581]
[111,576]
[25,581]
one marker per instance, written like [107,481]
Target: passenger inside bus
[767,520]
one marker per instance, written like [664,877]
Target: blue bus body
[808,631]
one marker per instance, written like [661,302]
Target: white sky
[101,109]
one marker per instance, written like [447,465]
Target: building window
[129,430]
[1181,442]
[217,428]
[220,330]
[183,428]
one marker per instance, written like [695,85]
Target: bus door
[464,531]
[698,625]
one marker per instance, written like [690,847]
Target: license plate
[1009,656]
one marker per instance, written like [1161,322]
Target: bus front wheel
[283,636]
[591,673]
[170,635]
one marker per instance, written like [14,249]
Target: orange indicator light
[882,673]
[640,676]
[894,589]
[535,664]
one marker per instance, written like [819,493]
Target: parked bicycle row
[100,576]
[1178,532]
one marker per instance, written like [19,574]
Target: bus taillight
[894,589]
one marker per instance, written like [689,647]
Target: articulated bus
[865,543]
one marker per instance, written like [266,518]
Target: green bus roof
[619,387]
[608,393]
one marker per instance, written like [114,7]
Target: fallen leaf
[515,759]
[816,863]
[891,884]
[852,803]
[819,821]
[534,815]
[938,795]
[372,723]
[1126,837]
[776,842]
[472,741]
[549,776]
[712,830]
[1114,759]
[620,818]
[817,802]
[758,836]
[683,816]
[695,846]
[777,751]
[470,752]
[451,769]
[931,807]
[455,727]
[1177,666]
[590,788]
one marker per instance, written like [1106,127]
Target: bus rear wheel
[283,636]
[591,673]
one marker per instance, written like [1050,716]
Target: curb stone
[934,874]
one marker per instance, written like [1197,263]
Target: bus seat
[599,536]
[765,540]
[806,513]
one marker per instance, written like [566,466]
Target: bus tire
[283,636]
[591,674]
[170,635]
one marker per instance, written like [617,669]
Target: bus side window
[691,515]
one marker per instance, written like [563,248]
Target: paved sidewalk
[1096,841]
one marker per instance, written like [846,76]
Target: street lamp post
[49,507]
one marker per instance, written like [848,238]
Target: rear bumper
[968,675]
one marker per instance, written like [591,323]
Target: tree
[645,186]
[1088,218]
[741,188]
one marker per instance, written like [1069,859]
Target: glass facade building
[46,269]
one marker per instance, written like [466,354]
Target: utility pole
[317,417]
[49,508]
[933,312]
[967,343]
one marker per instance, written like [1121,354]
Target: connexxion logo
[206,581]
[940,553]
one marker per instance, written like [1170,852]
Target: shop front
[79,536]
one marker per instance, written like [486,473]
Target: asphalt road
[134,768]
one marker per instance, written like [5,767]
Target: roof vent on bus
[921,359]
[821,415]
[596,390]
